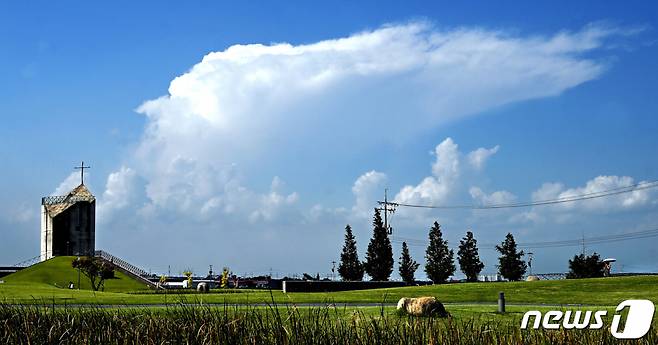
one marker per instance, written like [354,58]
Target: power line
[595,240]
[586,196]
[555,244]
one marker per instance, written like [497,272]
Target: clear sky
[248,135]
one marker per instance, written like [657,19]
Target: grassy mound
[57,272]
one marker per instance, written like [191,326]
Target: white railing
[60,199]
[125,266]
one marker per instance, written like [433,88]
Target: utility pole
[583,241]
[388,207]
[386,210]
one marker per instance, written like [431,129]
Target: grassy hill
[57,272]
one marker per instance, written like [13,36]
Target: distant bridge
[7,270]
[551,276]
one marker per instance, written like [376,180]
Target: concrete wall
[46,234]
[327,286]
[72,232]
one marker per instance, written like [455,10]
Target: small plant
[225,274]
[190,281]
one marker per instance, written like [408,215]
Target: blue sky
[269,148]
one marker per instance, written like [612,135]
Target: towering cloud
[215,144]
[255,104]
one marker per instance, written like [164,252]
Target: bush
[583,266]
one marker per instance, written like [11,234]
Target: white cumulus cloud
[598,184]
[477,158]
[567,211]
[497,197]
[119,193]
[367,189]
[445,172]
[70,182]
[272,202]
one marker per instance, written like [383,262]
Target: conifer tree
[469,259]
[510,264]
[350,268]
[407,265]
[379,257]
[439,260]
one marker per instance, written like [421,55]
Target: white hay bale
[532,278]
[422,306]
[202,287]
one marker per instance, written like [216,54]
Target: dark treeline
[440,259]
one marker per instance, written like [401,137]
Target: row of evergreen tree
[440,263]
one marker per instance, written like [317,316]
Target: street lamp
[333,270]
[78,259]
[530,256]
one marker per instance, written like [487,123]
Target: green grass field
[46,283]
[128,312]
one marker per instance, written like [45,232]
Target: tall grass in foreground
[270,325]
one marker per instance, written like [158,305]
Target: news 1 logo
[638,319]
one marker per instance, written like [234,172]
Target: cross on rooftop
[82,168]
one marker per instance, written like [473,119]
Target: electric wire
[586,196]
[555,244]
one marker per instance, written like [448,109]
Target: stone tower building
[68,224]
